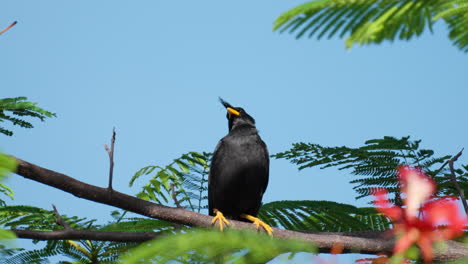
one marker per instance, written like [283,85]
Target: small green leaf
[203,246]
[7,165]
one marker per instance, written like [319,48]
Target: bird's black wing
[214,172]
[266,165]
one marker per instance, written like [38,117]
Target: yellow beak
[233,111]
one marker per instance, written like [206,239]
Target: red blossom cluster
[423,219]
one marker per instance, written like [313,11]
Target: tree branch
[73,234]
[111,158]
[146,236]
[174,196]
[59,220]
[323,241]
[453,178]
[7,28]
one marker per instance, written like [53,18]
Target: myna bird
[239,172]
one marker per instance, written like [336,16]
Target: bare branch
[7,28]
[453,178]
[59,220]
[111,158]
[323,241]
[174,197]
[73,234]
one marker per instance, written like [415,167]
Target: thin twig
[177,203]
[7,28]
[441,168]
[174,197]
[111,158]
[59,220]
[452,176]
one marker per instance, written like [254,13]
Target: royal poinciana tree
[300,226]
[165,220]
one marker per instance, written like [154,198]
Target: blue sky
[154,70]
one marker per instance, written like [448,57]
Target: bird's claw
[220,219]
[257,222]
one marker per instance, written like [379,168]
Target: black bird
[239,172]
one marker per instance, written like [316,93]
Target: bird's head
[237,116]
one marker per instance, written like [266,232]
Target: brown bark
[73,234]
[369,242]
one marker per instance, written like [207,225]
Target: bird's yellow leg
[257,222]
[220,219]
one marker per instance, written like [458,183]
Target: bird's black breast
[238,174]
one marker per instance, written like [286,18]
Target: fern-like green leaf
[323,216]
[374,164]
[138,225]
[82,251]
[7,165]
[19,107]
[212,246]
[186,179]
[375,21]
[34,218]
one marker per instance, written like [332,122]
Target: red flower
[436,220]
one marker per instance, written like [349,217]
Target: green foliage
[138,224]
[374,21]
[6,191]
[323,216]
[375,163]
[455,13]
[212,246]
[82,251]
[186,178]
[6,237]
[5,234]
[34,218]
[32,256]
[15,109]
[7,165]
